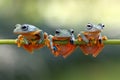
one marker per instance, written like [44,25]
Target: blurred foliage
[17,64]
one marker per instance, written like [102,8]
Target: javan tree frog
[31,36]
[62,49]
[93,33]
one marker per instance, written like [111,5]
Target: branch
[106,42]
[8,41]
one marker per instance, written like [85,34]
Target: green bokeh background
[18,64]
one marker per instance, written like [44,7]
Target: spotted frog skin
[31,36]
[93,38]
[62,49]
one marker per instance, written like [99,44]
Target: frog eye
[57,31]
[71,30]
[102,25]
[89,26]
[24,27]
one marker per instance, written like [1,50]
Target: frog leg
[21,39]
[53,47]
[72,38]
[28,46]
[47,41]
[41,37]
[51,42]
[100,38]
[97,51]
[79,37]
[84,37]
[99,46]
[85,47]
[104,38]
[56,50]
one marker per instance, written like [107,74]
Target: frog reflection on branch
[62,49]
[32,37]
[93,38]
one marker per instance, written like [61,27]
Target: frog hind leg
[69,51]
[29,48]
[38,46]
[97,50]
[99,45]
[26,45]
[55,50]
[66,50]
[85,49]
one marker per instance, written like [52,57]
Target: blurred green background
[18,64]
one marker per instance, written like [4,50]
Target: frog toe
[54,48]
[19,42]
[100,41]
[72,41]
[104,38]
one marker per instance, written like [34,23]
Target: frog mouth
[17,32]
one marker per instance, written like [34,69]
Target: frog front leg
[46,39]
[41,37]
[53,47]
[84,38]
[100,38]
[99,46]
[20,40]
[84,47]
[72,36]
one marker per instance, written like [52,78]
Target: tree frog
[31,35]
[92,36]
[62,49]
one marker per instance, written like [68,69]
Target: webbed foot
[104,38]
[19,40]
[79,37]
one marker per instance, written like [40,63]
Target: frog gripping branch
[93,38]
[62,49]
[63,43]
[31,36]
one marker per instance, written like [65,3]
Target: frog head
[25,28]
[94,28]
[64,33]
